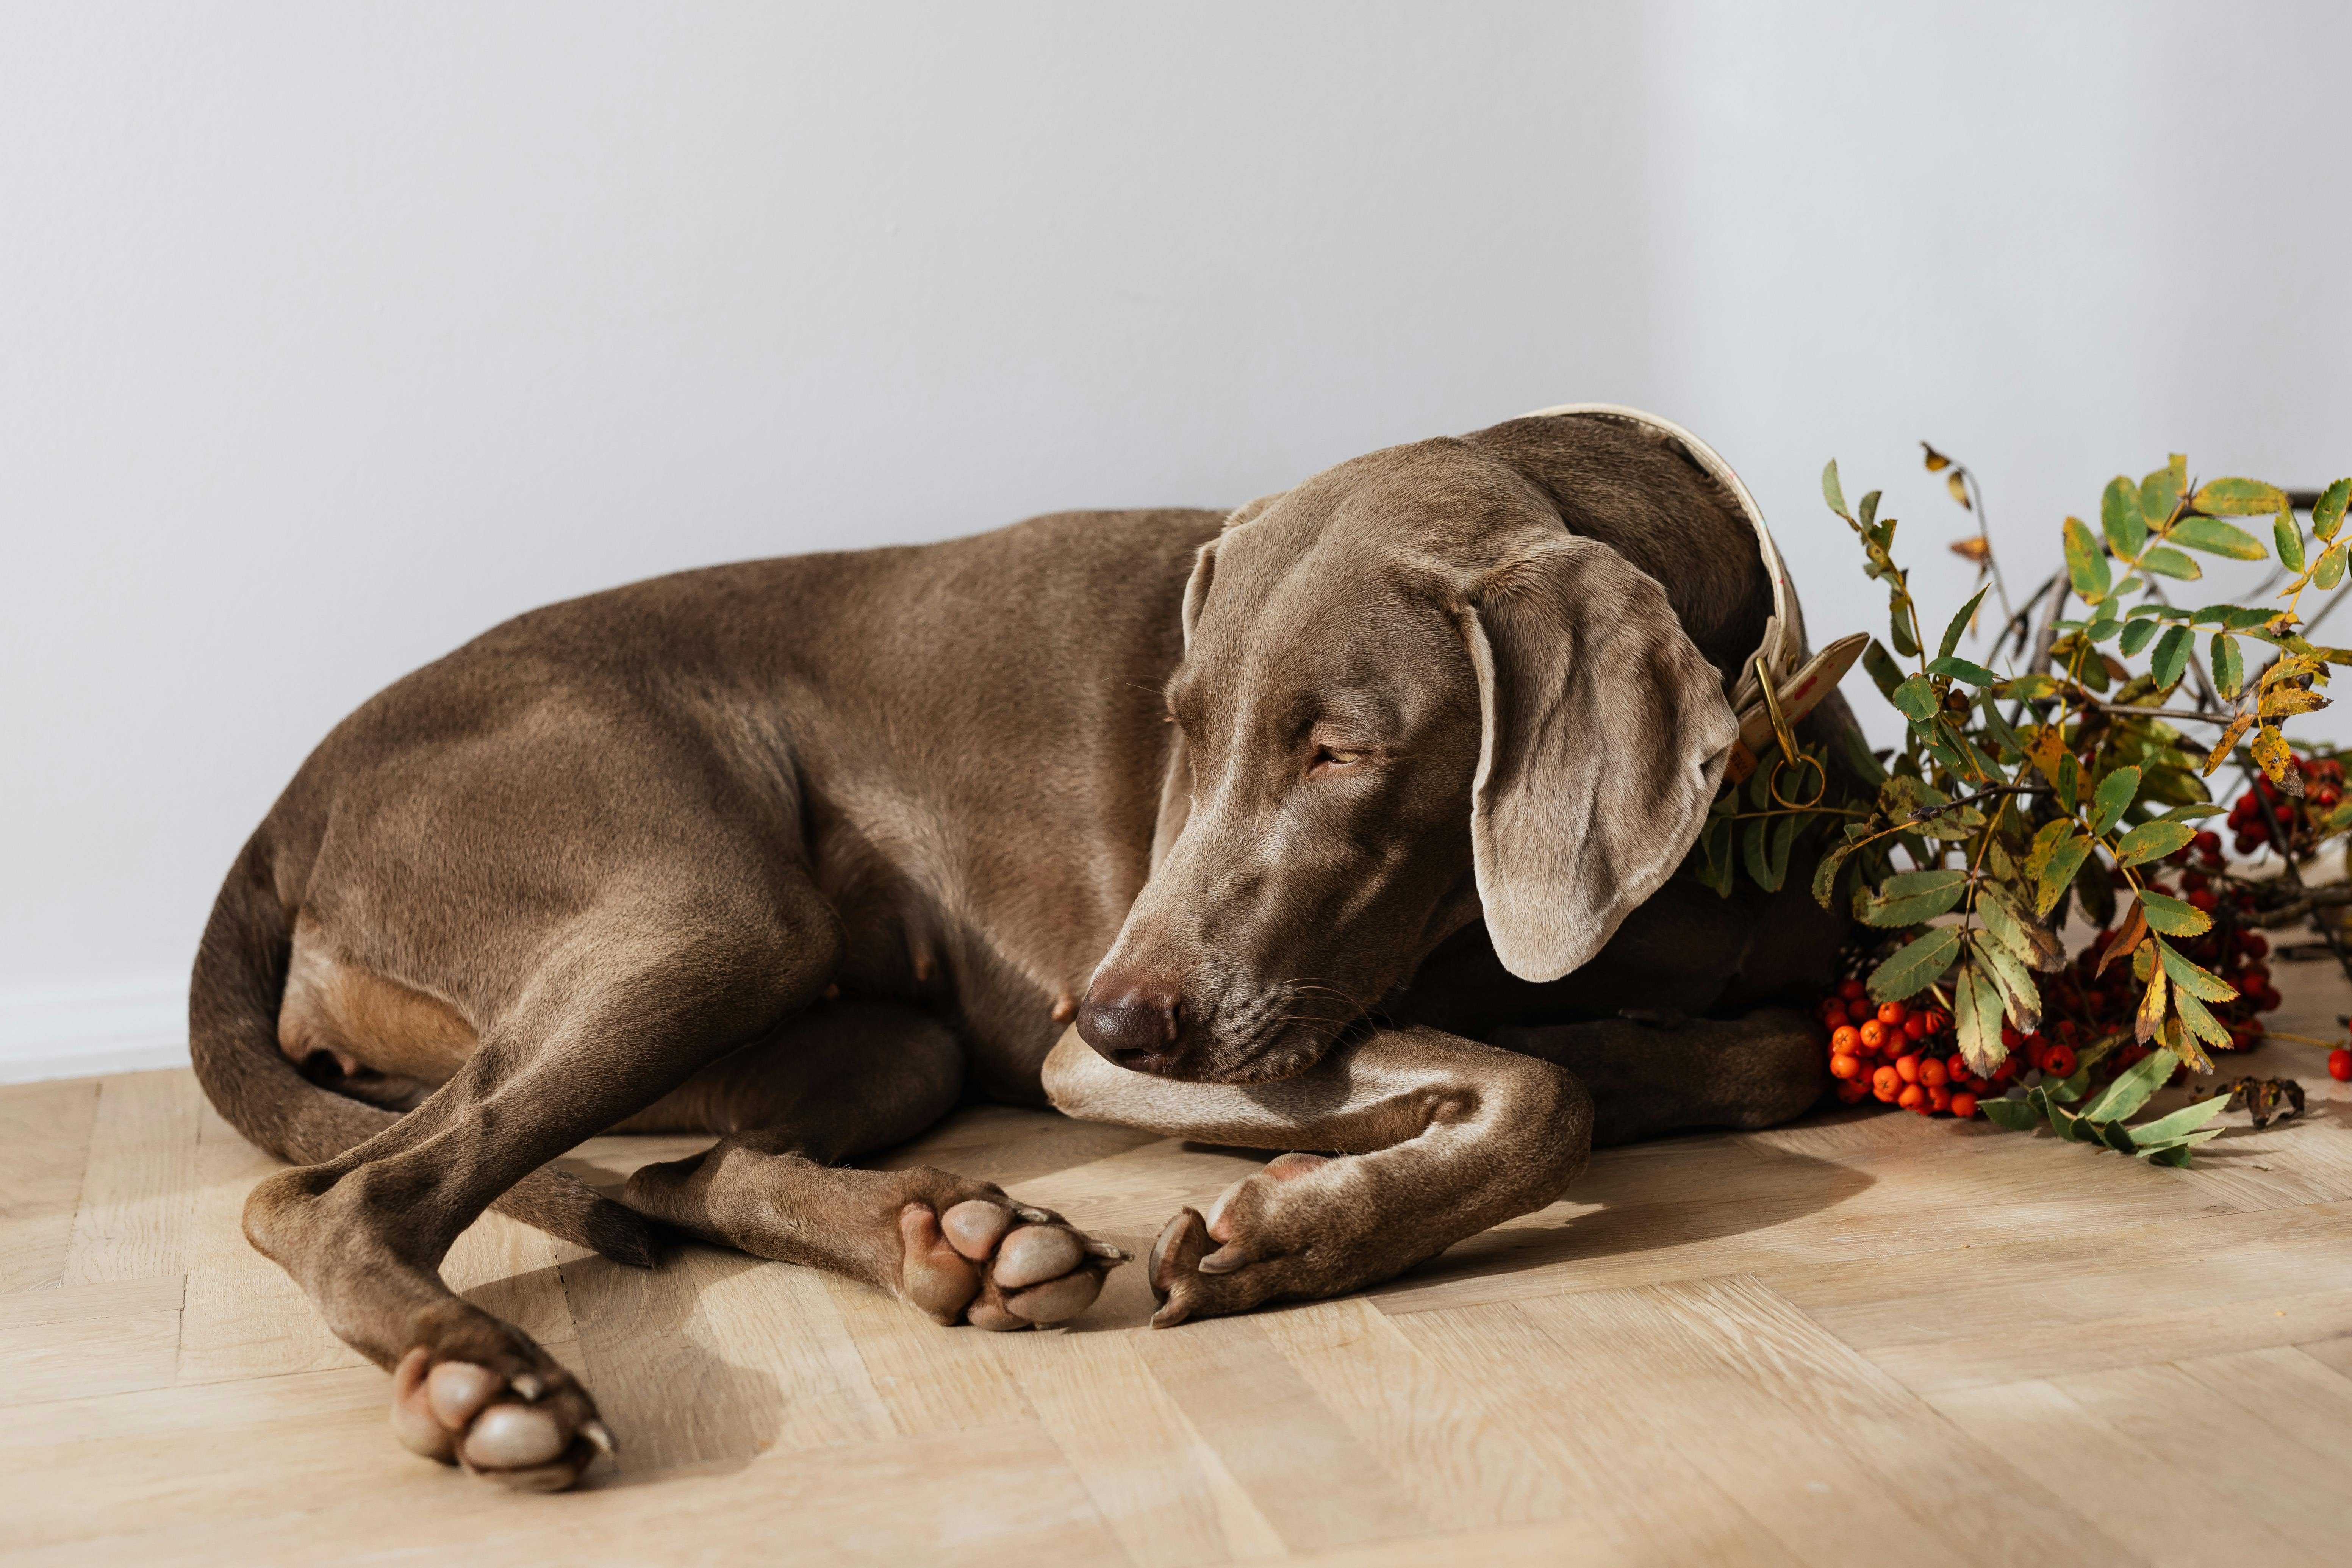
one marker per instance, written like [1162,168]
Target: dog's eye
[1335,757]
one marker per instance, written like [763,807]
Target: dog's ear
[1204,560]
[1604,733]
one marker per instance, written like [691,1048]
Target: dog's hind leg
[842,1080]
[1648,1077]
[624,1003]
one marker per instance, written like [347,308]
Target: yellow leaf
[2127,939]
[2290,700]
[2229,738]
[1959,491]
[2046,751]
[2269,750]
[1972,548]
[2151,1004]
[1937,461]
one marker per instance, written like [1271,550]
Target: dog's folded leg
[1434,1138]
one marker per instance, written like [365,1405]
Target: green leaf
[2035,948]
[1960,624]
[2181,1124]
[2229,665]
[2013,1114]
[2193,811]
[1869,511]
[1764,848]
[2120,517]
[2104,625]
[1898,625]
[1825,874]
[2239,498]
[2132,1087]
[1884,671]
[1913,969]
[1962,670]
[1916,699]
[2198,983]
[2201,1021]
[2328,515]
[2172,917]
[2058,874]
[2152,840]
[2020,996]
[2113,797]
[2167,562]
[1910,898]
[2216,539]
[2159,492]
[2086,564]
[1976,1016]
[2289,539]
[1834,492]
[2137,635]
[2330,570]
[2171,656]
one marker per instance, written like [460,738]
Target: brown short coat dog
[1345,823]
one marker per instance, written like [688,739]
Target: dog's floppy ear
[1204,560]
[1604,735]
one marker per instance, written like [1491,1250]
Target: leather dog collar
[1799,683]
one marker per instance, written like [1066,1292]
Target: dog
[1345,824]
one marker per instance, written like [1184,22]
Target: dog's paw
[1280,1232]
[998,1264]
[518,1421]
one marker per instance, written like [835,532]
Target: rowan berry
[2058,1061]
[2339,1065]
[1913,1097]
[2203,899]
[1846,1066]
[2269,1001]
[1874,1034]
[1891,1014]
[1908,1066]
[2209,842]
[1846,1041]
[1887,1083]
[1860,1009]
[1933,1073]
[1915,1027]
[1964,1104]
[1851,1089]
[2009,1037]
[1939,1098]
[2253,943]
[1851,990]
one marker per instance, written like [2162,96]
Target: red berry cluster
[2323,786]
[1900,1055]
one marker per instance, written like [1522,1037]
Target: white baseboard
[69,1031]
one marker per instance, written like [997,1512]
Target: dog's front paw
[1292,1229]
[521,1421]
[1000,1265]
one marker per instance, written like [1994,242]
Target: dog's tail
[233,1002]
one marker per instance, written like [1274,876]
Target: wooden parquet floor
[1863,1339]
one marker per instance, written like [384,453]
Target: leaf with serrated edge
[2215,537]
[2058,874]
[2229,740]
[2149,1018]
[1913,969]
[1825,874]
[2042,950]
[2113,797]
[1911,897]
[2021,997]
[1976,1017]
[1916,698]
[2172,917]
[2167,562]
[1959,624]
[2238,498]
[2199,983]
[2182,1122]
[2288,539]
[2132,1087]
[2229,665]
[2330,570]
[2327,513]
[2128,937]
[2170,660]
[2013,1114]
[2201,1022]
[1957,668]
[2086,564]
[2120,519]
[2137,635]
[2286,702]
[2152,840]
[2269,750]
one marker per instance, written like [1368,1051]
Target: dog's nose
[1133,1025]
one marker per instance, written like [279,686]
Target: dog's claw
[600,1437]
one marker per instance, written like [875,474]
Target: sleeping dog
[1345,823]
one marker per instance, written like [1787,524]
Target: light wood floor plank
[2170,1517]
[131,1222]
[2235,1441]
[1301,1466]
[44,1145]
[88,1339]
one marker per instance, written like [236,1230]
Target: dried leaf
[1959,491]
[2127,939]
[2229,738]
[2284,701]
[2022,999]
[1976,547]
[2269,750]
[1976,1017]
[2150,1017]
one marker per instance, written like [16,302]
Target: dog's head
[1409,698]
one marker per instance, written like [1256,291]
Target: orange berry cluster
[1901,1056]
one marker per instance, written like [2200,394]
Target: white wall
[330,334]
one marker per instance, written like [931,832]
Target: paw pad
[999,1265]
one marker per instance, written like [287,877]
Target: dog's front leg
[1418,1139]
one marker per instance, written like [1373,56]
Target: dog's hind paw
[999,1265]
[529,1427]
